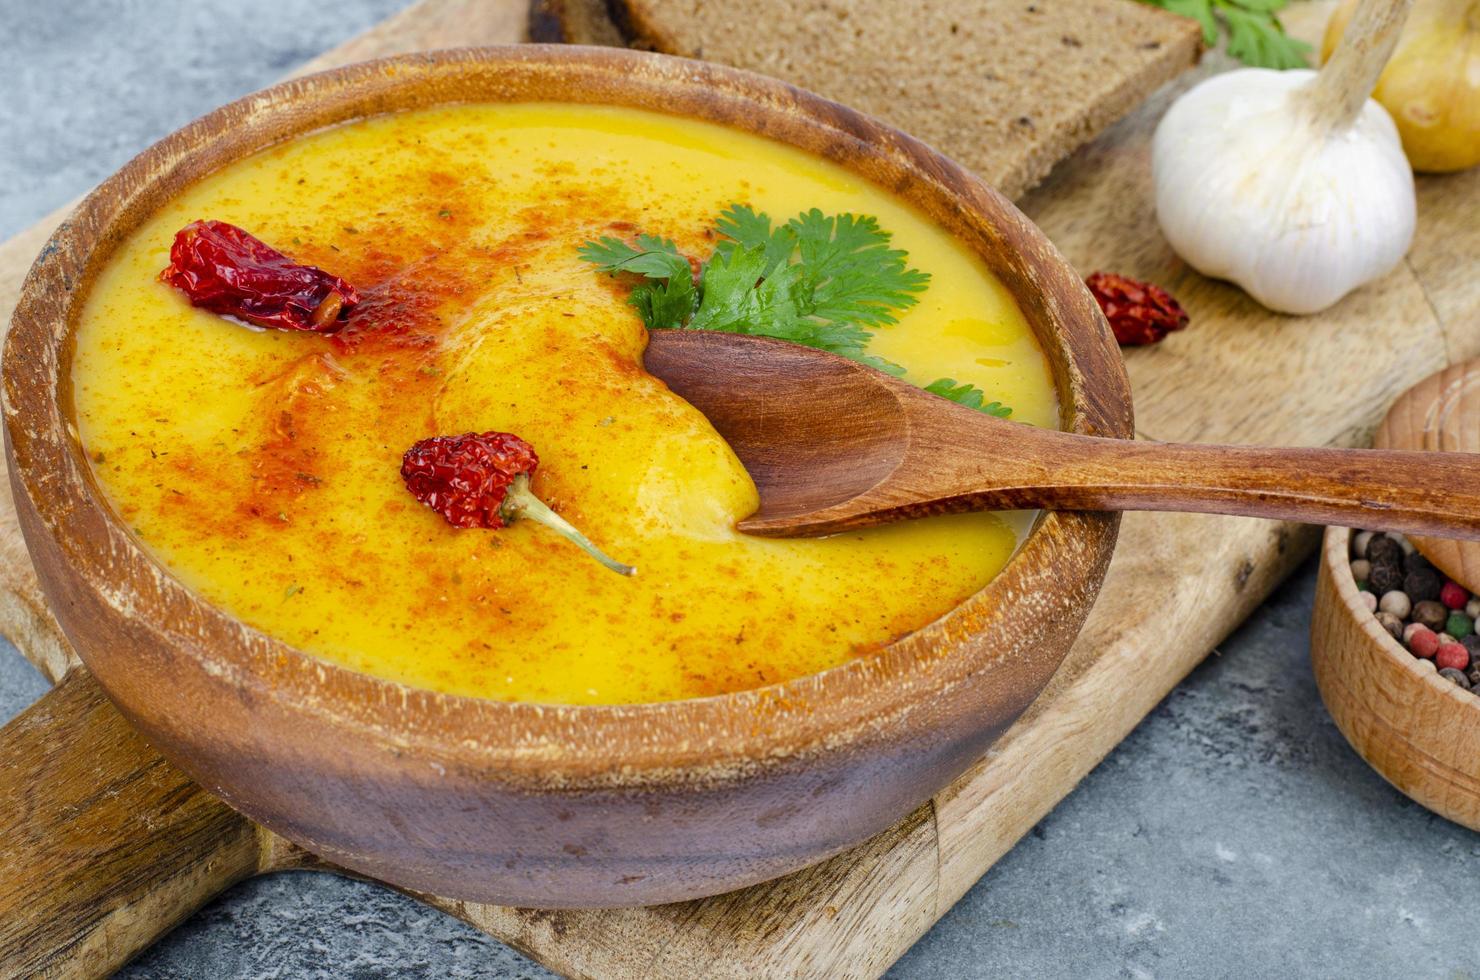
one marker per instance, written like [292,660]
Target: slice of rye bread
[1006,87]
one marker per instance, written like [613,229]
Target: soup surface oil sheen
[262,468]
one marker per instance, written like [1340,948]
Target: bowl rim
[1336,554]
[579,744]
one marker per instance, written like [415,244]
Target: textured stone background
[1233,834]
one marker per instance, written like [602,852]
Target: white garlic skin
[1250,190]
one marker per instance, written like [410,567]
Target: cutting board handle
[104,845]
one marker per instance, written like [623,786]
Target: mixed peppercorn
[1432,616]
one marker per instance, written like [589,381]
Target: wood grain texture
[848,917]
[834,445]
[1419,731]
[106,844]
[1179,583]
[1439,414]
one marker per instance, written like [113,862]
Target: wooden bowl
[1420,732]
[536,804]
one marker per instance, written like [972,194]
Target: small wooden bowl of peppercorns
[1397,660]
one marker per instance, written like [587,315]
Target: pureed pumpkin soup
[264,467]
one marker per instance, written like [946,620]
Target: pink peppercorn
[1412,628]
[1424,642]
[1453,595]
[1452,655]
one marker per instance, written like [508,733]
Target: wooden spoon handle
[1421,493]
[106,846]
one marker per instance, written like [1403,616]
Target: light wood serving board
[107,846]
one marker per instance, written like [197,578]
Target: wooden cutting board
[107,846]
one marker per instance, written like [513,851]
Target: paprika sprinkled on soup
[446,297]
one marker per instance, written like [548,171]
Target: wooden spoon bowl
[537,804]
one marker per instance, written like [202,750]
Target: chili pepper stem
[520,501]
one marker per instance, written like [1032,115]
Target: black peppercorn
[1432,614]
[1472,644]
[1392,624]
[1386,575]
[1414,561]
[1383,550]
[1457,676]
[1423,584]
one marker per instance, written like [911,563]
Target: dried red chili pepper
[223,269]
[482,480]
[1139,312]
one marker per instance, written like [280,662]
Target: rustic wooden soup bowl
[543,804]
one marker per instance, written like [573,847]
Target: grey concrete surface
[1234,834]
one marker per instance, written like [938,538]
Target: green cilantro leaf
[1199,10]
[742,227]
[969,395]
[1255,35]
[736,295]
[853,274]
[881,364]
[651,256]
[824,281]
[666,297]
[665,302]
[1258,38]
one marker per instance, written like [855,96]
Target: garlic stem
[1343,85]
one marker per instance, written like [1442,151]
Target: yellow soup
[262,467]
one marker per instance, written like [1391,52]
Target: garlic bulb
[1291,184]
[1432,84]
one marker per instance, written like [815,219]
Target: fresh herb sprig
[969,395]
[1255,35]
[824,281]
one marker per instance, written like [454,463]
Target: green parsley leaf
[969,395]
[1255,35]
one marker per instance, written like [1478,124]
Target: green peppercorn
[1458,625]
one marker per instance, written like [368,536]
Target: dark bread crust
[544,23]
[575,22]
[1008,87]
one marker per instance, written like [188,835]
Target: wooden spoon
[833,445]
